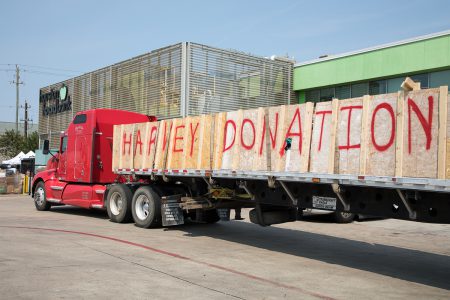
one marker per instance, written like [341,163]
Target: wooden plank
[399,134]
[219,138]
[421,126]
[333,158]
[117,133]
[231,140]
[364,135]
[309,112]
[380,142]
[442,139]
[206,138]
[165,127]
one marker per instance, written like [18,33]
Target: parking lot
[74,253]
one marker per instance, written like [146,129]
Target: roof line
[370,49]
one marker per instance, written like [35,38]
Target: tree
[12,142]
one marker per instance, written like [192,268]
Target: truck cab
[80,171]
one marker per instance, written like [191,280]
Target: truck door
[83,149]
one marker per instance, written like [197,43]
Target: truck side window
[64,144]
[80,119]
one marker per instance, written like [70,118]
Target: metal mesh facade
[179,80]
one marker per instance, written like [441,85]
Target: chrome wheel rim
[39,196]
[116,203]
[142,207]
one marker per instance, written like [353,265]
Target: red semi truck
[81,174]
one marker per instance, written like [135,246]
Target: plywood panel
[349,135]
[420,132]
[165,127]
[177,149]
[126,146]
[139,136]
[381,135]
[267,140]
[232,131]
[295,124]
[249,130]
[321,138]
[150,145]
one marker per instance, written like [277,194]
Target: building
[376,70]
[176,81]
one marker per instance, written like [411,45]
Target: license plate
[328,203]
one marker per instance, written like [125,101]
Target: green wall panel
[420,56]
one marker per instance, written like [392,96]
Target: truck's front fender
[42,176]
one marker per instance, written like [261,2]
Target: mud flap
[171,212]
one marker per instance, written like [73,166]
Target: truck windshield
[80,119]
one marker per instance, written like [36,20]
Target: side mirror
[46,148]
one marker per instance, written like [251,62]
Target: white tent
[15,160]
[30,154]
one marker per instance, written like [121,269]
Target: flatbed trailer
[391,159]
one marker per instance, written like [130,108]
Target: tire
[40,199]
[146,208]
[118,203]
[343,217]
[210,216]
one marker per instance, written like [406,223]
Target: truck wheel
[146,208]
[118,203]
[343,217]
[210,216]
[40,200]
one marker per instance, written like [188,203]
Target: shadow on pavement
[406,264]
[72,210]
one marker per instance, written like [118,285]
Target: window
[440,78]
[343,92]
[63,144]
[359,89]
[423,79]
[393,84]
[313,96]
[80,119]
[377,87]
[326,94]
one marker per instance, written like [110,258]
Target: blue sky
[81,36]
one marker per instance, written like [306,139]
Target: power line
[47,73]
[51,68]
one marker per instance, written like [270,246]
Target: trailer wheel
[343,217]
[210,216]
[118,202]
[40,199]
[146,208]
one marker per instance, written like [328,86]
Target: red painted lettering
[299,133]
[138,142]
[248,147]
[273,137]
[350,109]
[152,139]
[193,132]
[323,113]
[177,138]
[390,110]
[225,147]
[426,125]
[125,142]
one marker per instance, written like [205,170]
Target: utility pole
[17,82]
[26,120]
